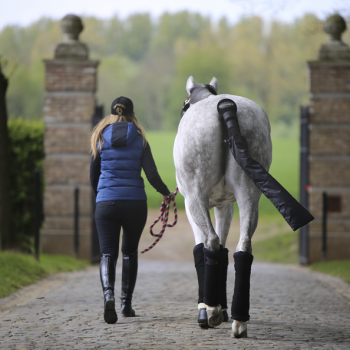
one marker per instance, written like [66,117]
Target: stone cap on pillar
[335,48]
[71,48]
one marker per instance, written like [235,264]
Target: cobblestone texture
[291,308]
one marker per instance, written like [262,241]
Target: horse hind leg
[198,208]
[212,287]
[199,263]
[240,299]
[247,201]
[223,218]
[243,262]
[199,213]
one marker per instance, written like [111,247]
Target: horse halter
[187,103]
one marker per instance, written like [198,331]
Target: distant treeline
[150,61]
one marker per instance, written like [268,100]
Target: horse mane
[195,95]
[208,87]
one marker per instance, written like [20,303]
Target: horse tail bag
[291,210]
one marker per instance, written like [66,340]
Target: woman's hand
[170,196]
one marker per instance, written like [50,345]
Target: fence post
[37,212]
[304,183]
[76,221]
[324,225]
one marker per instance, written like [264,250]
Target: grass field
[339,269]
[281,248]
[18,270]
[285,168]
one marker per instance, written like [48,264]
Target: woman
[119,151]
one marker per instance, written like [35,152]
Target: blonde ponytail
[96,135]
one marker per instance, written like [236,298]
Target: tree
[170,27]
[5,194]
[203,60]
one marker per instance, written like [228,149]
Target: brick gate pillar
[329,160]
[70,84]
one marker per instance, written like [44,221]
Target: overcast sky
[24,12]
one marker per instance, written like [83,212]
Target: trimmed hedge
[26,154]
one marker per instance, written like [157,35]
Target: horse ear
[214,84]
[190,84]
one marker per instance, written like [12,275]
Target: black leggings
[110,216]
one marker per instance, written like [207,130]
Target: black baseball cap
[123,103]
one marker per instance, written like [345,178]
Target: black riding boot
[223,278]
[240,299]
[107,275]
[199,263]
[129,275]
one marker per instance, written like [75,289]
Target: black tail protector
[292,211]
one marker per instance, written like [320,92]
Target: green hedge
[26,154]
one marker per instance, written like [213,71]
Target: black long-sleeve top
[147,163]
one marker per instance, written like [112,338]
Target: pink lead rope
[164,215]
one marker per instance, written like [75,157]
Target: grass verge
[18,270]
[339,268]
[281,248]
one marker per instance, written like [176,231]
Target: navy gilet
[121,155]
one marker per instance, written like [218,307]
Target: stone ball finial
[335,49]
[71,48]
[334,26]
[71,26]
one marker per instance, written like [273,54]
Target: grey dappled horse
[208,176]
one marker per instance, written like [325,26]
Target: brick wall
[329,172]
[67,138]
[59,201]
[63,75]
[68,108]
[62,169]
[327,109]
[329,77]
[329,159]
[327,141]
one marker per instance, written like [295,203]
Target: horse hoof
[239,329]
[203,318]
[239,335]
[215,316]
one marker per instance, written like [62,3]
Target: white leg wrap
[202,306]
[239,329]
[215,316]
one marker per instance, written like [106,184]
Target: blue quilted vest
[121,154]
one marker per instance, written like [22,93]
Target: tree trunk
[5,194]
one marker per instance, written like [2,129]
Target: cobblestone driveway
[291,308]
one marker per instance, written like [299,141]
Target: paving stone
[291,308]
